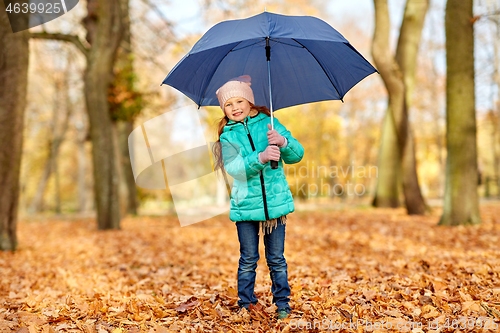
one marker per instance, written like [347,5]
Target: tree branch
[63,37]
[160,14]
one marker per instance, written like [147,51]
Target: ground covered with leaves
[358,270]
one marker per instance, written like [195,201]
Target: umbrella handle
[274,164]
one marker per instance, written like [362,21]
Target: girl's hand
[271,153]
[274,137]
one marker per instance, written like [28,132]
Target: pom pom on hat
[236,87]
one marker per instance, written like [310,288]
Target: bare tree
[104,33]
[125,103]
[14,60]
[80,140]
[461,203]
[57,134]
[397,162]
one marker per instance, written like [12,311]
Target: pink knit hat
[236,87]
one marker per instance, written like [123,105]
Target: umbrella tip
[265,9]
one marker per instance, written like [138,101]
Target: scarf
[268,226]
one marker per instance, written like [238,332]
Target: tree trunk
[125,122]
[119,169]
[414,201]
[82,172]
[394,129]
[406,56]
[104,33]
[57,186]
[387,190]
[461,205]
[14,60]
[82,136]
[55,142]
[131,202]
[397,162]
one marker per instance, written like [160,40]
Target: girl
[260,194]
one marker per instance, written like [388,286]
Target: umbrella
[292,60]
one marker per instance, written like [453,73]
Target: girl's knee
[249,260]
[276,261]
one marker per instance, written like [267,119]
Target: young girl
[260,194]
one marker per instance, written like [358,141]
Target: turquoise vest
[258,192]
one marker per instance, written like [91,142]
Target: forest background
[340,139]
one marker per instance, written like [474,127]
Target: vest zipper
[261,175]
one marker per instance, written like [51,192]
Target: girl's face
[237,108]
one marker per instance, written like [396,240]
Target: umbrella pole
[274,164]
[270,96]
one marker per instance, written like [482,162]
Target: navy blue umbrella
[292,60]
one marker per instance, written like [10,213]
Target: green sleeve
[294,151]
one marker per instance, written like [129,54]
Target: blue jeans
[248,235]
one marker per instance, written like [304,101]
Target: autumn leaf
[186,306]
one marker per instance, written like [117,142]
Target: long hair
[217,148]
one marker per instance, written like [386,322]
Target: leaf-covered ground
[345,267]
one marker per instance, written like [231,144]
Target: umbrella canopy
[309,62]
